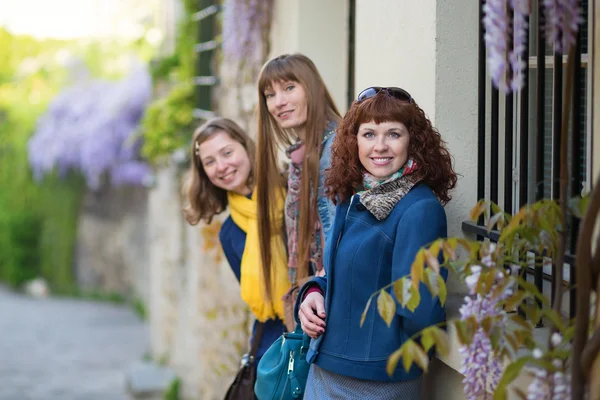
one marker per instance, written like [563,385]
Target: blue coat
[364,255]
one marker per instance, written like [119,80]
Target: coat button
[360,207]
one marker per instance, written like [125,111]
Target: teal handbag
[282,371]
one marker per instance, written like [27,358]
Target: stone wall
[198,323]
[112,251]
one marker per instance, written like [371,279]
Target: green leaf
[398,288]
[493,221]
[407,354]
[427,339]
[465,337]
[449,252]
[386,307]
[532,289]
[555,318]
[417,268]
[366,310]
[432,261]
[419,356]
[579,205]
[393,361]
[518,320]
[434,249]
[515,300]
[440,337]
[480,208]
[443,292]
[511,372]
[495,208]
[430,279]
[415,299]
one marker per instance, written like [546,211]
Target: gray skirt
[325,385]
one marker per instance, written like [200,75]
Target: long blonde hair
[321,110]
[205,200]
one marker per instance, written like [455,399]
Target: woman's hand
[312,314]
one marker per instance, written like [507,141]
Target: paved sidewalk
[66,349]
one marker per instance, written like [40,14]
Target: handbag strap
[258,334]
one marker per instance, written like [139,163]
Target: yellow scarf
[252,284]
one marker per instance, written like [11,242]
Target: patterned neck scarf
[292,212]
[380,196]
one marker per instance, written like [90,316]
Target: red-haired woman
[390,177]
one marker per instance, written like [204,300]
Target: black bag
[242,387]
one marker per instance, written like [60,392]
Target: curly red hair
[426,147]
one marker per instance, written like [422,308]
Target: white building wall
[395,46]
[317,29]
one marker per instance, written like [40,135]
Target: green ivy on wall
[168,123]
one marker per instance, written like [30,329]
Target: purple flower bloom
[91,128]
[480,365]
[562,21]
[497,25]
[244,23]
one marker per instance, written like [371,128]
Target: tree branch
[583,258]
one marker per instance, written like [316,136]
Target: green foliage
[173,392]
[30,77]
[168,122]
[526,239]
[140,309]
[21,259]
[95,295]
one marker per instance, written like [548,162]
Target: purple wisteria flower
[517,58]
[480,364]
[244,23]
[496,38]
[562,21]
[507,63]
[91,128]
[550,386]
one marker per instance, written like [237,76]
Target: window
[519,136]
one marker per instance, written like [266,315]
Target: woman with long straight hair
[295,111]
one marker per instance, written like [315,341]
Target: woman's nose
[381,145]
[280,99]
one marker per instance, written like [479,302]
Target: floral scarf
[380,196]
[292,212]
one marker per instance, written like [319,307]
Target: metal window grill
[206,79]
[530,130]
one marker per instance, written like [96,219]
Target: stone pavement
[66,349]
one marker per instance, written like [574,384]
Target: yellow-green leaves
[436,285]
[479,209]
[366,310]
[410,352]
[435,336]
[415,299]
[417,268]
[386,306]
[578,205]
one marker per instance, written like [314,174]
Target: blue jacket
[325,206]
[364,255]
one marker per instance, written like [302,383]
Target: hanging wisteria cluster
[92,128]
[506,63]
[245,24]
[549,386]
[480,366]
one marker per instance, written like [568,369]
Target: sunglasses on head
[395,92]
